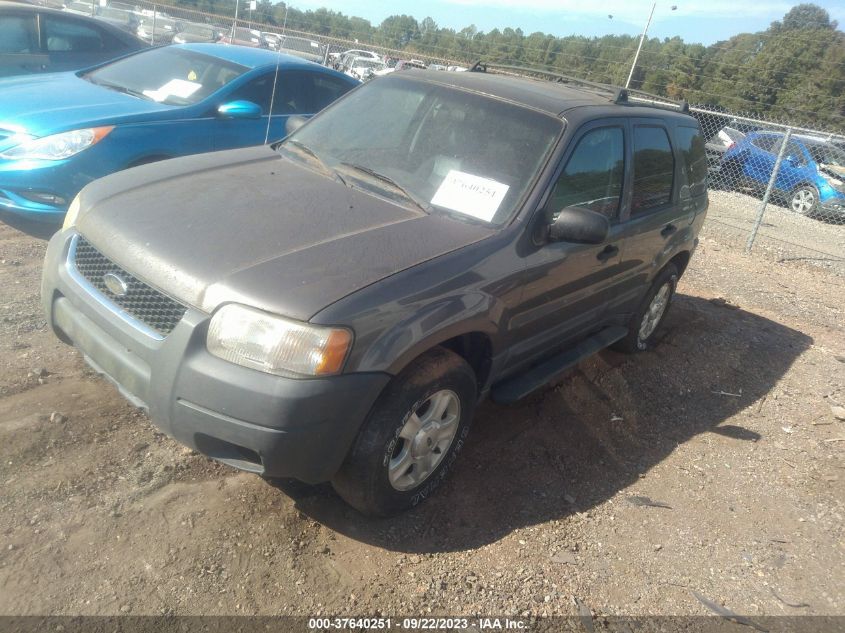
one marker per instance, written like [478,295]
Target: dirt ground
[712,466]
[782,234]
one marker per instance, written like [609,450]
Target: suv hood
[55,102]
[252,227]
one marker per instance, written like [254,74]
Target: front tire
[805,201]
[412,436]
[645,322]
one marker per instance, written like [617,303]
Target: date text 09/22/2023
[414,624]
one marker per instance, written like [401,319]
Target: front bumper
[26,185]
[833,206]
[278,427]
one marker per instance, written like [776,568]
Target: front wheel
[805,200]
[411,437]
[643,325]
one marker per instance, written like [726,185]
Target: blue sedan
[58,132]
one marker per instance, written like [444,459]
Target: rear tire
[653,309]
[412,436]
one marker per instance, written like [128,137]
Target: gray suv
[333,307]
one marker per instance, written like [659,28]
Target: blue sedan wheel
[805,200]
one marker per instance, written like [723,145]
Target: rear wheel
[805,200]
[643,325]
[411,437]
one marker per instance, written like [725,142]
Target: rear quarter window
[691,144]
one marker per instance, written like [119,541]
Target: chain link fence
[775,188]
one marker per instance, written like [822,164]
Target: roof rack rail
[558,77]
[621,96]
[658,102]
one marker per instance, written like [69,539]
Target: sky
[701,21]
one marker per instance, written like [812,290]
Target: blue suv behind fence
[810,178]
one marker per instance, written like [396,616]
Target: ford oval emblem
[115,285]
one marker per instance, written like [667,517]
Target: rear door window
[306,92]
[327,89]
[691,144]
[18,34]
[71,36]
[654,169]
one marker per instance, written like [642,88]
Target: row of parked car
[130,103]
[810,180]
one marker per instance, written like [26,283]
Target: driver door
[568,285]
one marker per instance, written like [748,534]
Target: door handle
[609,251]
[668,230]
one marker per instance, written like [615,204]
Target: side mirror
[294,123]
[239,110]
[577,224]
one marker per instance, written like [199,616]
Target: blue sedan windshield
[168,75]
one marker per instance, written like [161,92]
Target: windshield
[366,62]
[826,154]
[441,148]
[245,34]
[168,75]
[297,44]
[199,29]
[161,24]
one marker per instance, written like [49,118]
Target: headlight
[835,182]
[276,345]
[57,146]
[72,213]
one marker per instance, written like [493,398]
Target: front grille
[144,303]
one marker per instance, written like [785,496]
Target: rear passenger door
[20,52]
[655,216]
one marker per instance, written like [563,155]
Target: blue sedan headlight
[57,146]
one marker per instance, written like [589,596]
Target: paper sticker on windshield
[174,88]
[470,195]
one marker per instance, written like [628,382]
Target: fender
[422,329]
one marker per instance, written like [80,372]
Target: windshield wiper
[310,152]
[119,88]
[424,206]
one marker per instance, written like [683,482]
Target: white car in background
[337,59]
[363,68]
[402,64]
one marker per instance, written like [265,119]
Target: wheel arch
[681,261]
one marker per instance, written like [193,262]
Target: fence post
[762,210]
[153,34]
